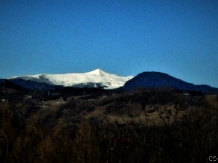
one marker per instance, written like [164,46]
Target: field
[107,126]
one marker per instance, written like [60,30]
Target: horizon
[125,38]
[113,74]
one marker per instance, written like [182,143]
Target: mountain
[95,78]
[162,80]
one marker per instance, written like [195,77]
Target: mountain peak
[97,72]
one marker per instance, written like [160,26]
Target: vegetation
[187,133]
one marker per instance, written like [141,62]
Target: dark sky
[125,37]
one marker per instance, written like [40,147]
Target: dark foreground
[81,128]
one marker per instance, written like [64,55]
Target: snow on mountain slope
[98,77]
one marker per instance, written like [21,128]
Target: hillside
[96,125]
[159,80]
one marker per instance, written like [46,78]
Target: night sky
[124,37]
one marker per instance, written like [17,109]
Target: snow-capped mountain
[93,78]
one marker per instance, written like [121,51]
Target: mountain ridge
[98,76]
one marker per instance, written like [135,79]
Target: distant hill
[28,84]
[163,80]
[5,84]
[2,81]
[21,84]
